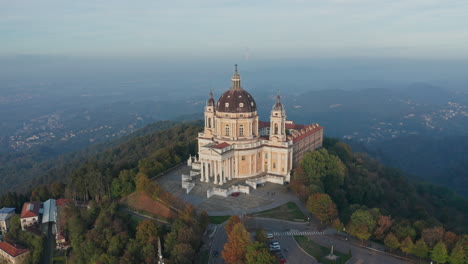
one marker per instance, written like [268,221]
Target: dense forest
[356,193]
[416,155]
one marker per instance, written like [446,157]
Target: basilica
[235,144]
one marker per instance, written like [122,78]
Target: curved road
[294,254]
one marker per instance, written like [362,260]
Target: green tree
[407,245]
[319,164]
[257,253]
[458,255]
[439,253]
[322,206]
[337,224]
[183,254]
[147,232]
[420,249]
[260,236]
[391,241]
[362,224]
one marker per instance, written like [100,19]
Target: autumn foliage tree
[433,235]
[235,249]
[383,224]
[322,206]
[392,241]
[257,253]
[407,245]
[231,222]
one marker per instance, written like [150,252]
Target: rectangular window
[266,155]
[227,130]
[243,157]
[241,130]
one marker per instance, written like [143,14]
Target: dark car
[235,194]
[215,253]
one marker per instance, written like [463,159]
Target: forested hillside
[20,171]
[102,232]
[356,193]
[439,160]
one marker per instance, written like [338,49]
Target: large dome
[236,101]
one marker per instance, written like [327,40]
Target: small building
[61,241]
[12,254]
[30,215]
[5,214]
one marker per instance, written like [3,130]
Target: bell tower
[278,121]
[210,117]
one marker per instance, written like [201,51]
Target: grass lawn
[219,219]
[288,211]
[59,260]
[318,251]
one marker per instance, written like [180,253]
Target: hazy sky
[253,28]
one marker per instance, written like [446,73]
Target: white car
[269,235]
[275,247]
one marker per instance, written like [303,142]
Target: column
[202,171]
[223,172]
[255,163]
[215,170]
[207,175]
[250,164]
[230,168]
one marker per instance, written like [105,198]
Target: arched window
[241,130]
[227,130]
[276,129]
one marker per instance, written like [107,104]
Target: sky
[242,28]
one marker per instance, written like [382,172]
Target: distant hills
[415,127]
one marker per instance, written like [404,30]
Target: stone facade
[235,144]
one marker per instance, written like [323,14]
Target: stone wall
[226,192]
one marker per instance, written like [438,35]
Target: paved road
[360,255]
[291,251]
[49,244]
[218,240]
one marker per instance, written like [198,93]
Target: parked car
[269,235]
[275,247]
[215,253]
[235,194]
[274,243]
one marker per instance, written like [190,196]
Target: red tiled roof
[262,124]
[306,134]
[60,202]
[12,250]
[221,146]
[295,126]
[30,212]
